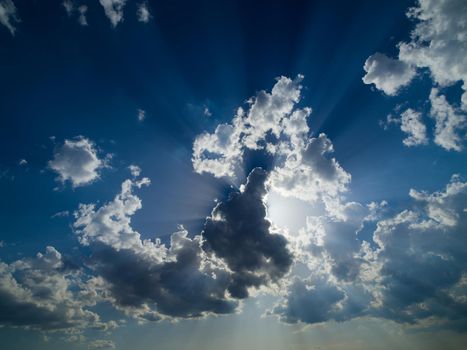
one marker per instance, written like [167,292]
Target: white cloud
[70,8]
[207,112]
[113,10]
[274,124]
[388,74]
[141,115]
[450,122]
[411,124]
[134,170]
[8,15]
[110,224]
[219,153]
[438,44]
[77,161]
[23,162]
[143,13]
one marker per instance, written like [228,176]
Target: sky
[233,174]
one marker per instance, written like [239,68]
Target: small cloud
[113,10]
[143,13]
[207,112]
[22,162]
[141,115]
[81,10]
[134,170]
[61,214]
[8,15]
[77,161]
[101,344]
[388,74]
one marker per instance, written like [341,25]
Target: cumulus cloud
[113,10]
[388,74]
[239,233]
[77,161]
[439,42]
[8,15]
[309,302]
[411,124]
[44,293]
[143,13]
[413,271]
[451,123]
[174,281]
[275,125]
[439,45]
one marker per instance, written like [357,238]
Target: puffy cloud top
[77,161]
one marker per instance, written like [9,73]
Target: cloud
[110,224]
[388,74]
[141,115]
[239,233]
[8,15]
[438,44]
[134,170]
[113,10]
[44,293]
[143,13]
[450,122]
[310,174]
[207,112]
[422,255]
[274,125]
[219,153]
[160,281]
[101,344]
[410,123]
[309,303]
[77,161]
[413,271]
[71,8]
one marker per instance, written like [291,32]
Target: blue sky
[201,174]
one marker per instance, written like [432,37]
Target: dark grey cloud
[239,233]
[178,286]
[44,293]
[310,303]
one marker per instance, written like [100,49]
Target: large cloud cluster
[191,277]
[439,44]
[413,271]
[273,123]
[146,278]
